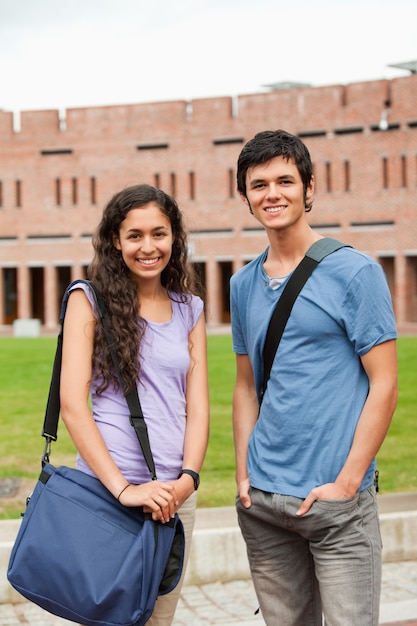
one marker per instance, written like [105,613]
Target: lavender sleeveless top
[165,362]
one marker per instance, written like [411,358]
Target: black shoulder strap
[53,406]
[50,426]
[318,251]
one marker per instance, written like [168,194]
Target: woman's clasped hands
[155,497]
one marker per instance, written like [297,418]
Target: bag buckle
[47,450]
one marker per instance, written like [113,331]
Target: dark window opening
[348,131]
[376,224]
[191,176]
[226,271]
[58,191]
[312,133]
[388,265]
[93,190]
[173,184]
[74,191]
[56,151]
[231,184]
[403,171]
[48,237]
[328,177]
[37,293]
[411,279]
[18,193]
[213,231]
[377,127]
[152,146]
[347,175]
[10,294]
[227,141]
[385,173]
[326,225]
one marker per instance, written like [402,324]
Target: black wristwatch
[194,476]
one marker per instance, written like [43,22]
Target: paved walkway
[234,603]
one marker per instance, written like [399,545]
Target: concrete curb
[218,552]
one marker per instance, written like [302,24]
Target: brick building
[58,169]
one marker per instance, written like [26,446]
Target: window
[228,141]
[384,172]
[18,193]
[93,190]
[173,184]
[328,176]
[52,151]
[9,294]
[153,146]
[157,179]
[312,133]
[231,183]
[347,175]
[348,130]
[74,191]
[58,191]
[403,171]
[191,176]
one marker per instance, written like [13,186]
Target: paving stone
[234,603]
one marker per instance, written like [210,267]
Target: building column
[213,287]
[77,271]
[400,299]
[50,297]
[23,293]
[237,264]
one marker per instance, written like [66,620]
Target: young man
[305,460]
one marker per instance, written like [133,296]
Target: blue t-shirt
[317,386]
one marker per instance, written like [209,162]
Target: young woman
[142,271]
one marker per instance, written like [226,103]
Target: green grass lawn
[25,369]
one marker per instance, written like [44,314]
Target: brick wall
[62,172]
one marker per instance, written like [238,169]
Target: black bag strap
[318,251]
[50,426]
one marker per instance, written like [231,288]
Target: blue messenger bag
[79,553]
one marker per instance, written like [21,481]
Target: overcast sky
[72,53]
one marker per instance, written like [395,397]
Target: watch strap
[194,475]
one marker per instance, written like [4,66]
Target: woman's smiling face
[145,240]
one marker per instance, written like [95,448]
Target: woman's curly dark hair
[120,293]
